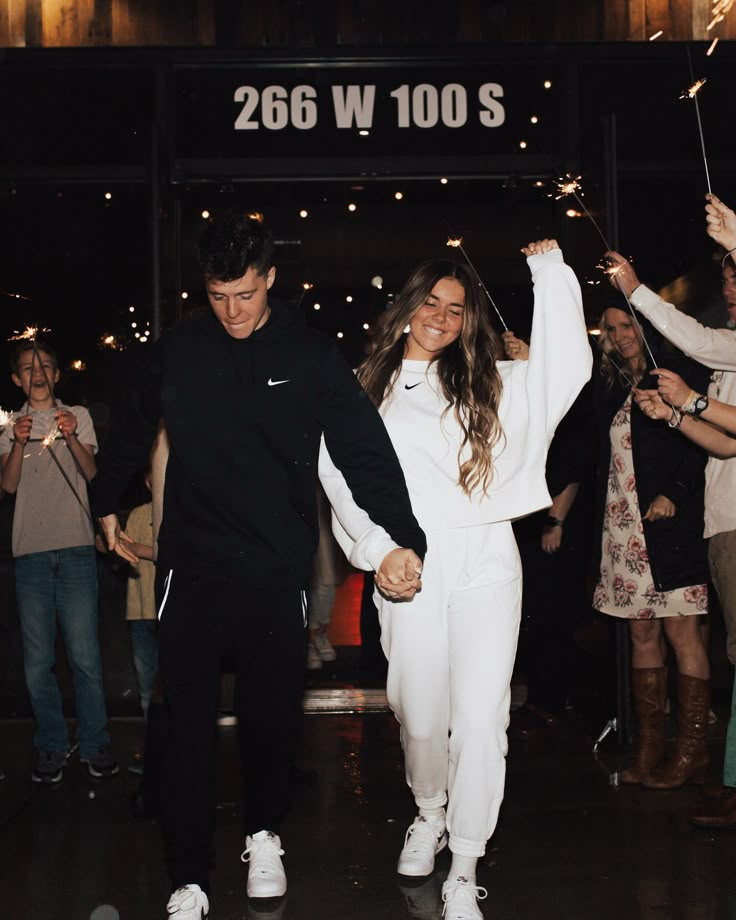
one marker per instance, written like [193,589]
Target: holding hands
[399,576]
[720,223]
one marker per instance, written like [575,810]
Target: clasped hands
[399,576]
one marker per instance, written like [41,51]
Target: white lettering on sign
[354,106]
[422,106]
[493,114]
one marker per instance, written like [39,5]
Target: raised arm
[560,360]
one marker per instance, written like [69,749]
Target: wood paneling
[331,23]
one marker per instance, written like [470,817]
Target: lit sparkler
[457,243]
[30,333]
[6,418]
[570,185]
[692,93]
[50,437]
[612,271]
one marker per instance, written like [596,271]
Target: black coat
[665,463]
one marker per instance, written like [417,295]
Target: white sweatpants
[451,653]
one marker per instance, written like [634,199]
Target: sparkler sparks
[30,333]
[455,244]
[567,185]
[50,437]
[693,90]
[720,8]
[6,418]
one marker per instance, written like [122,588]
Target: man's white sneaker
[423,842]
[188,903]
[461,896]
[314,662]
[266,876]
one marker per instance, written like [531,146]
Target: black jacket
[665,463]
[244,419]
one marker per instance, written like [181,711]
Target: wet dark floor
[569,844]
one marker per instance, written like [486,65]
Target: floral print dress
[626,587]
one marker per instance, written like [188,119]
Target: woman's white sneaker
[266,876]
[424,840]
[188,903]
[461,896]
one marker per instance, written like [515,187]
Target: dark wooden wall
[322,24]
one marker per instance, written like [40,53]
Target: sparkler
[457,243]
[6,418]
[570,185]
[29,334]
[612,271]
[50,437]
[692,93]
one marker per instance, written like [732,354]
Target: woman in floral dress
[653,568]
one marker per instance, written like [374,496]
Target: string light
[205,214]
[316,306]
[307,285]
[352,207]
[398,195]
[349,299]
[133,325]
[443,180]
[366,326]
[131,309]
[363,132]
[184,295]
[304,213]
[108,195]
[522,144]
[548,84]
[339,335]
[534,120]
[257,216]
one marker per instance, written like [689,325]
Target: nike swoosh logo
[275,383]
[407,387]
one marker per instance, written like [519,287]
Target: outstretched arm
[715,441]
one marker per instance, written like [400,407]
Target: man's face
[241,305]
[728,286]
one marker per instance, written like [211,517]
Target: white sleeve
[715,348]
[85,428]
[560,359]
[364,543]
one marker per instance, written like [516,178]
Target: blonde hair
[613,369]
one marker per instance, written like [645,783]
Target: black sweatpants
[264,632]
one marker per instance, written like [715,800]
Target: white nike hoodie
[536,395]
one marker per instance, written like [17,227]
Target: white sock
[463,866]
[436,817]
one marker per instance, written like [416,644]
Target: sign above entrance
[276,120]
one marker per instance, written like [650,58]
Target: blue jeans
[62,582]
[144,641]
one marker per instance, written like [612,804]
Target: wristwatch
[697,406]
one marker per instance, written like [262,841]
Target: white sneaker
[324,647]
[188,903]
[461,898]
[314,662]
[266,876]
[424,840]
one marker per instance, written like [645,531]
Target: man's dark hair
[25,345]
[233,243]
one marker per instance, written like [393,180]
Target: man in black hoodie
[239,533]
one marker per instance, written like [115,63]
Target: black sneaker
[101,764]
[50,766]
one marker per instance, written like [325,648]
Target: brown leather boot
[690,759]
[649,690]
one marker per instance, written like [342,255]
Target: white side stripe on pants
[167,586]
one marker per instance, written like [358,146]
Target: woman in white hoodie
[471,432]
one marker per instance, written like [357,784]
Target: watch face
[701,404]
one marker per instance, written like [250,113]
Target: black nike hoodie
[244,419]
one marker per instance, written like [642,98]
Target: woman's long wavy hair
[466,370]
[613,367]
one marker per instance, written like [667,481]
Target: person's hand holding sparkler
[652,404]
[672,388]
[516,349]
[22,429]
[66,422]
[117,539]
[620,273]
[538,247]
[720,223]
